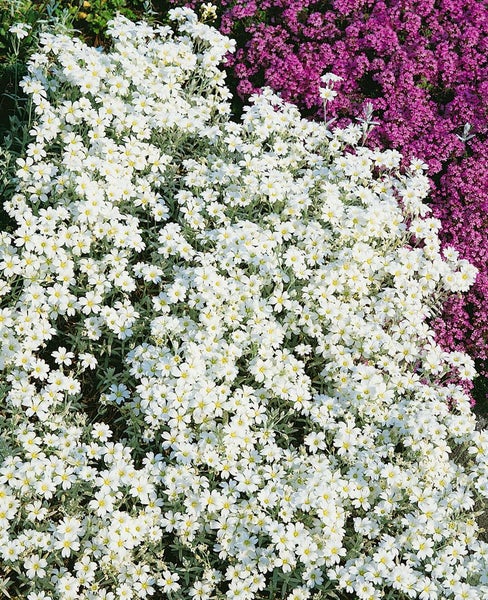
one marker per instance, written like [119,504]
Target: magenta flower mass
[423,66]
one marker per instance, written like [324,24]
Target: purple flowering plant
[423,65]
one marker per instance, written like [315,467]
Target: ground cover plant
[34,16]
[88,18]
[92,16]
[21,21]
[218,374]
[423,67]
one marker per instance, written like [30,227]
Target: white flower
[330,78]
[35,566]
[88,361]
[169,581]
[21,30]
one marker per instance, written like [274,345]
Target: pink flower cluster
[423,64]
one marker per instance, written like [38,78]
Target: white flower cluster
[219,379]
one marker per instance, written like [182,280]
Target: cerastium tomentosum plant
[218,378]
